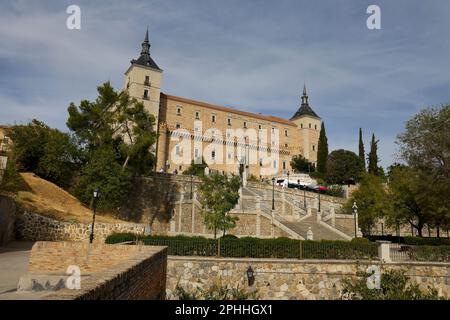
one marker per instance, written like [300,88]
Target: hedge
[412,241]
[255,247]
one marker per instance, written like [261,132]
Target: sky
[252,55]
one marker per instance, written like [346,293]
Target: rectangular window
[261,162]
[178,111]
[178,126]
[314,148]
[315,126]
[285,133]
[146,94]
[213,118]
[310,125]
[260,127]
[213,155]
[301,125]
[284,165]
[245,124]
[197,115]
[147,80]
[229,121]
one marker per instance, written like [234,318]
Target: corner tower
[143,80]
[308,124]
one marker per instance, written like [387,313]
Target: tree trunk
[125,163]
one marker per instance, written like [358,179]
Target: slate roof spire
[305,109]
[145,59]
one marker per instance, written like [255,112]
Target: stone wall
[34,227]
[292,279]
[111,272]
[7,219]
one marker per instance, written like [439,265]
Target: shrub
[215,292]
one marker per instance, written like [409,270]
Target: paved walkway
[13,265]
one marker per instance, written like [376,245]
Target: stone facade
[211,131]
[292,279]
[108,272]
[35,227]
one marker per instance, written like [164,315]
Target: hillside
[50,200]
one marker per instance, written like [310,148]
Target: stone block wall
[34,227]
[292,279]
[7,219]
[114,272]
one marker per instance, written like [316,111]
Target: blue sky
[252,55]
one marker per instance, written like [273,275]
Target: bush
[360,240]
[229,236]
[335,191]
[250,247]
[418,241]
[430,253]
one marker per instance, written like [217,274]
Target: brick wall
[108,271]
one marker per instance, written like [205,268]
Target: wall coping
[307,261]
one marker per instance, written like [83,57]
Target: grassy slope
[50,200]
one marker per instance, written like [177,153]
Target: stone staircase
[306,218]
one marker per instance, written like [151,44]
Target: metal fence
[291,249]
[400,252]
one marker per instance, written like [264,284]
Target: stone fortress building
[229,140]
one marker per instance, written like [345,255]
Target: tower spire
[146,44]
[305,95]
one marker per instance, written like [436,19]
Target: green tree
[218,195]
[322,151]
[362,153]
[393,286]
[409,198]
[301,164]
[103,171]
[119,121]
[373,157]
[370,198]
[49,153]
[196,169]
[342,165]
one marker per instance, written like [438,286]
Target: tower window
[229,121]
[284,165]
[245,124]
[213,155]
[197,115]
[285,145]
[285,133]
[178,111]
[314,148]
[310,125]
[146,94]
[213,118]
[178,126]
[147,80]
[301,125]
[315,126]
[260,127]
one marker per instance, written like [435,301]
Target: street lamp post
[304,196]
[288,179]
[355,213]
[273,193]
[319,199]
[96,195]
[192,178]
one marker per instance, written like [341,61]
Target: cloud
[251,55]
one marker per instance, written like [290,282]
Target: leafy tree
[322,151]
[117,120]
[218,195]
[301,164]
[49,153]
[370,198]
[409,197]
[196,169]
[362,153]
[425,144]
[342,165]
[393,286]
[373,157]
[103,172]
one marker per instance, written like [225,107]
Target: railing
[287,249]
[400,252]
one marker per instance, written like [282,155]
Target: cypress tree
[373,157]
[362,153]
[322,151]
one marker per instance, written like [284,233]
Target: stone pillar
[384,248]
[180,212]
[333,217]
[309,234]
[308,210]
[193,212]
[319,216]
[258,216]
